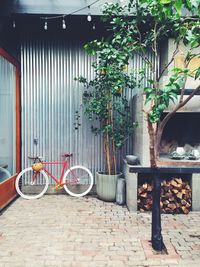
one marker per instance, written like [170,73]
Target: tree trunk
[156,236]
[152,147]
[114,157]
[108,153]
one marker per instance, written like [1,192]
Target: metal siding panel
[50,98]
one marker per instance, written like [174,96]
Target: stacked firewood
[175,196]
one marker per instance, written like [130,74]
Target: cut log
[179,195]
[166,202]
[185,210]
[178,180]
[149,188]
[172,199]
[174,183]
[140,190]
[144,195]
[145,186]
[175,196]
[183,191]
[175,191]
[172,206]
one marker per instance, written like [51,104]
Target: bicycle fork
[33,180]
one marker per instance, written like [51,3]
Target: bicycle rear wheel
[79,181]
[30,184]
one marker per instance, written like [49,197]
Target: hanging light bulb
[14,24]
[45,26]
[89,17]
[63,24]
[94,27]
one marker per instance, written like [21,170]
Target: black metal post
[156,236]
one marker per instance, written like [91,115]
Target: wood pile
[175,196]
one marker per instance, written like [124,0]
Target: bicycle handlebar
[35,158]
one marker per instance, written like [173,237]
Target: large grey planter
[106,186]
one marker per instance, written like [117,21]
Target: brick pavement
[63,231]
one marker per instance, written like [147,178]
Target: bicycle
[77,180]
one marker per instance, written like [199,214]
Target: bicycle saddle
[35,158]
[66,155]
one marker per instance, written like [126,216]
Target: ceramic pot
[106,186]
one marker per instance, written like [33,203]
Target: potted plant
[105,101]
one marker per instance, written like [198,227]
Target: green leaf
[197,74]
[165,2]
[150,97]
[195,3]
[178,6]
[172,99]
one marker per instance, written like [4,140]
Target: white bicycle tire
[90,186]
[17,186]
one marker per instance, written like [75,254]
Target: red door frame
[14,62]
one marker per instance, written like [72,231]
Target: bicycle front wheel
[78,181]
[30,184]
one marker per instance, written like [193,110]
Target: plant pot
[106,186]
[7,191]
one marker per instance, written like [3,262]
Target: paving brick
[86,232]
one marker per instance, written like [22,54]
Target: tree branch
[155,49]
[186,64]
[143,55]
[169,63]
[183,87]
[145,58]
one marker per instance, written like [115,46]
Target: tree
[148,23]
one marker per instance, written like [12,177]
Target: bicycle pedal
[58,187]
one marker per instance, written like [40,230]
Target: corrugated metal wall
[50,98]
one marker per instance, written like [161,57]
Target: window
[9,123]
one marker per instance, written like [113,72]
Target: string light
[45,26]
[94,27]
[63,24]
[89,17]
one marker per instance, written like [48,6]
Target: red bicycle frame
[65,167]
